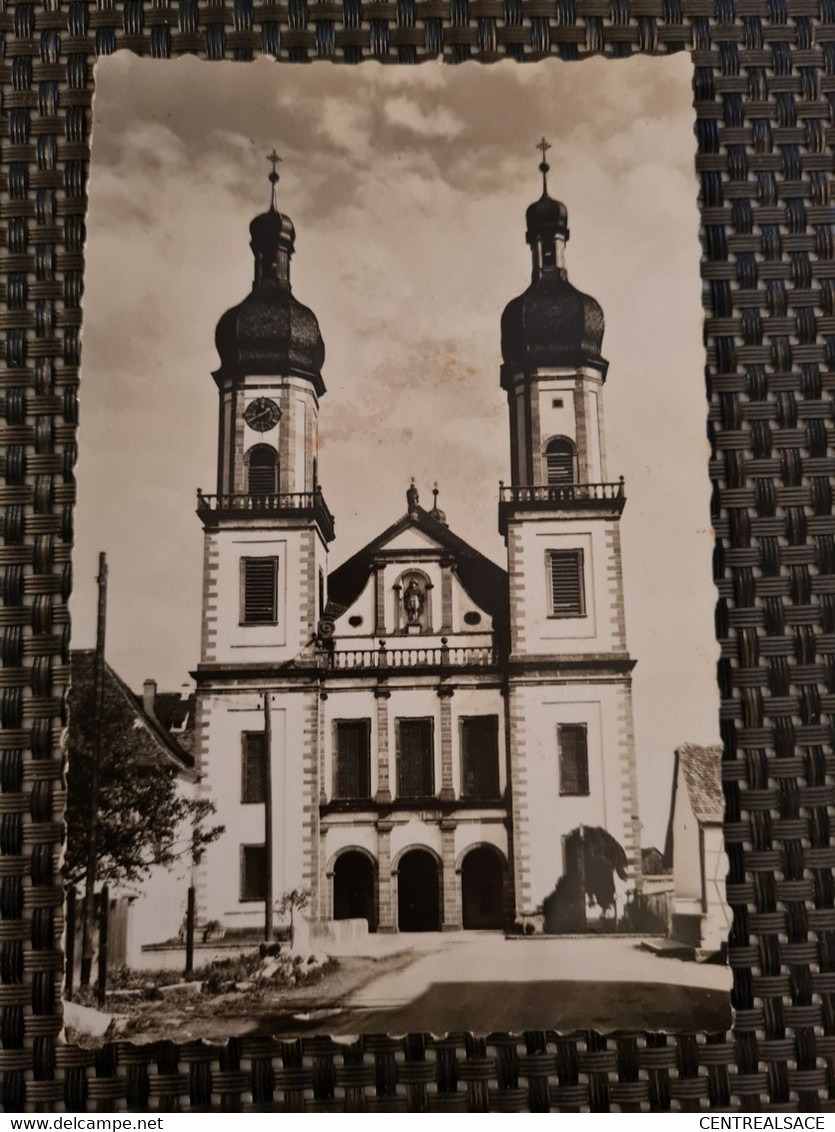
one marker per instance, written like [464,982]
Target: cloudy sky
[408,188]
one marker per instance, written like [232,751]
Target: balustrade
[478,656]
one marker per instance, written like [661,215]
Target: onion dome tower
[569,681]
[271,332]
[270,378]
[552,323]
[269,514]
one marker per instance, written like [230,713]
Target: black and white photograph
[394,703]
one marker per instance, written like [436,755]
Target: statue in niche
[413,599]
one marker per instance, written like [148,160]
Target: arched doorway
[353,888]
[482,889]
[418,892]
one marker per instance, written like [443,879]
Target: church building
[418,738]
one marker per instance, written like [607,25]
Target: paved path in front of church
[484,982]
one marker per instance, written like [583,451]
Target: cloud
[437,122]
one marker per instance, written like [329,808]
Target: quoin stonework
[442,739]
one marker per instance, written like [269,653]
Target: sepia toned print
[414,780]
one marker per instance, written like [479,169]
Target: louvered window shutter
[574,758]
[260,581]
[567,589]
[560,468]
[262,480]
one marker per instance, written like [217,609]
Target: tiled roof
[700,771]
[163,746]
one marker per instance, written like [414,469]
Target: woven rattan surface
[764,83]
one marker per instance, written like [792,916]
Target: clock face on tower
[262,414]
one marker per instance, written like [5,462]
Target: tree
[294,901]
[144,818]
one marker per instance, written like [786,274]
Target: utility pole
[87,925]
[268,820]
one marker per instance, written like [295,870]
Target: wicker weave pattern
[764,81]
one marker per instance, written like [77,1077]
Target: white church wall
[535,630]
[224,720]
[228,640]
[568,406]
[410,832]
[346,831]
[473,832]
[556,419]
[543,816]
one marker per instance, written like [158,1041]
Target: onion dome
[552,323]
[546,217]
[271,332]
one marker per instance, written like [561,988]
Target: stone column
[447,792]
[385,893]
[383,695]
[451,881]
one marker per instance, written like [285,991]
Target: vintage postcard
[394,703]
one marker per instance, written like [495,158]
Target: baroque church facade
[417,737]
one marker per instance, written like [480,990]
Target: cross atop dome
[273,177]
[543,146]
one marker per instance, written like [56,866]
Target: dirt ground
[184,1016]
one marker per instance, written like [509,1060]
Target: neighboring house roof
[162,746]
[698,769]
[484,581]
[173,710]
[701,773]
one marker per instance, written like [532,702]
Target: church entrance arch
[354,888]
[418,892]
[482,889]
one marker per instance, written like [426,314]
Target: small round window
[355,621]
[472,618]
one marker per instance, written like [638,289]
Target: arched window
[560,462]
[262,471]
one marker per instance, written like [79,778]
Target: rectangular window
[253,766]
[253,872]
[480,757]
[572,741]
[565,574]
[415,759]
[259,591]
[352,761]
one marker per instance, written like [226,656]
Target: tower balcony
[297,505]
[608,498]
